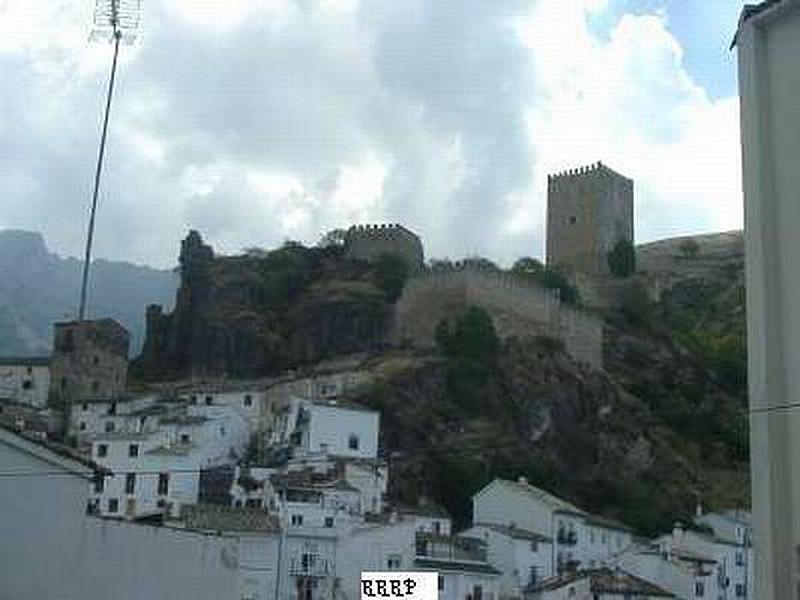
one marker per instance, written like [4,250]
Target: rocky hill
[662,427]
[38,287]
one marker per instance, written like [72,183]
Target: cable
[769,409]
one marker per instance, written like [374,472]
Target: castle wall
[369,242]
[518,308]
[588,211]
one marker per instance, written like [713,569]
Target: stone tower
[89,362]
[588,211]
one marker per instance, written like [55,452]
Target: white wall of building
[49,547]
[769,86]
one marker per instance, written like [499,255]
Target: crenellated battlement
[368,242]
[597,168]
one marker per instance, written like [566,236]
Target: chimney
[677,533]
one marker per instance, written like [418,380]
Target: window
[209,400]
[248,400]
[222,432]
[534,546]
[699,589]
[130,483]
[477,592]
[27,384]
[110,426]
[163,484]
[253,503]
[112,410]
[739,558]
[441,583]
[739,590]
[352,442]
[573,220]
[85,406]
[533,576]
[437,528]
[82,426]
[297,520]
[29,369]
[185,439]
[133,450]
[113,505]
[591,536]
[102,450]
[194,399]
[96,360]
[393,561]
[99,482]
[328,521]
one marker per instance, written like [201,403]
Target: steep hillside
[38,287]
[662,427]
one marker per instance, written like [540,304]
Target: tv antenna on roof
[115,21]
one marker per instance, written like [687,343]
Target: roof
[24,361]
[607,523]
[753,10]
[184,420]
[425,510]
[554,502]
[226,518]
[57,454]
[453,565]
[689,555]
[516,532]
[607,581]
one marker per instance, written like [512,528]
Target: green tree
[470,345]
[527,265]
[334,238]
[622,259]
[689,248]
[392,272]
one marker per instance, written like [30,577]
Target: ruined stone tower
[89,362]
[588,211]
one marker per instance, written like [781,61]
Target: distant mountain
[38,287]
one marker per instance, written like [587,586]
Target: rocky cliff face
[256,314]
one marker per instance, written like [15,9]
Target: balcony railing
[312,566]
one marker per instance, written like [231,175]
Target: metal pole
[98,170]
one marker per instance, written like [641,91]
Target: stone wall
[369,242]
[89,361]
[588,211]
[517,307]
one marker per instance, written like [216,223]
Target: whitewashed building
[158,471]
[580,539]
[523,557]
[25,381]
[598,584]
[50,547]
[319,428]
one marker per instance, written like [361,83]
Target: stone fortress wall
[517,307]
[369,242]
[589,210]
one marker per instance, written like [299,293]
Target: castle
[589,210]
[369,242]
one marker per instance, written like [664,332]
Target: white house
[158,471]
[598,584]
[732,542]
[50,547]
[25,381]
[580,539]
[730,560]
[522,556]
[768,43]
[683,573]
[327,428]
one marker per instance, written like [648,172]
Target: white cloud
[258,120]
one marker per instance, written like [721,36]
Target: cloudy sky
[257,121]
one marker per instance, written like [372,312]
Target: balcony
[310,565]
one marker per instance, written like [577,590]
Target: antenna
[115,21]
